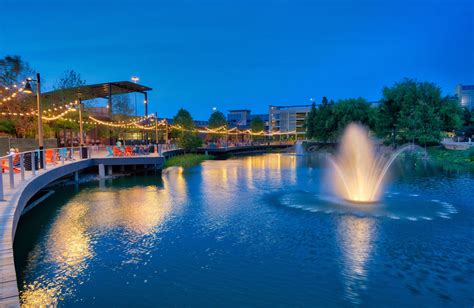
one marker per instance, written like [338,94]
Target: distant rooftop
[239,110]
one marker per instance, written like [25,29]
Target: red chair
[16,162]
[118,151]
[49,155]
[128,151]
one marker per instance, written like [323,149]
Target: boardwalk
[25,185]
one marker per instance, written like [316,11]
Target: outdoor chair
[49,154]
[62,154]
[117,151]
[110,152]
[128,151]
[16,162]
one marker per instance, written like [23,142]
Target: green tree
[415,111]
[428,124]
[451,114]
[309,122]
[184,119]
[350,110]
[188,139]
[324,123]
[217,119]
[257,125]
[13,71]
[69,79]
[7,126]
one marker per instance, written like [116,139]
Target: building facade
[239,117]
[465,95]
[288,120]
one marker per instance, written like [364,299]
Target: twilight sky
[245,54]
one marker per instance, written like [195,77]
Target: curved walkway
[15,200]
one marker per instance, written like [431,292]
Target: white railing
[17,165]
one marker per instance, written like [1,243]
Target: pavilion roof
[100,90]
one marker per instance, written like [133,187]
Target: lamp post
[135,79]
[145,102]
[39,108]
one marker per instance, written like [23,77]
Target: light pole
[39,108]
[135,79]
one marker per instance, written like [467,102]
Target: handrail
[16,162]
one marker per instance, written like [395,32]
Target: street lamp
[28,89]
[135,79]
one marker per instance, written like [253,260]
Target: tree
[184,119]
[350,110]
[309,122]
[217,119]
[257,125]
[415,111]
[324,123]
[187,137]
[69,79]
[121,105]
[13,71]
[451,114]
[189,141]
[428,124]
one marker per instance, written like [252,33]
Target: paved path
[10,213]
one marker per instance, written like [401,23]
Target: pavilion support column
[109,170]
[109,104]
[101,170]
[76,176]
[146,115]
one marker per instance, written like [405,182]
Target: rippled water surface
[251,231]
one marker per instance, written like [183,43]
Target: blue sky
[245,54]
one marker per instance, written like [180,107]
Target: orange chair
[118,151]
[16,162]
[128,151]
[49,155]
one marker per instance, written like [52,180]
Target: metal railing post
[22,166]
[43,157]
[1,187]
[33,162]
[10,171]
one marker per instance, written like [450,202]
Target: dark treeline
[409,111]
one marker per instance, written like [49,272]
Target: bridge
[243,149]
[18,185]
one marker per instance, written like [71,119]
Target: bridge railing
[18,166]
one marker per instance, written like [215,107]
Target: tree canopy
[184,119]
[257,125]
[217,119]
[416,111]
[187,139]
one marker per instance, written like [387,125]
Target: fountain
[358,171]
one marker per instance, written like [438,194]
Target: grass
[443,156]
[187,160]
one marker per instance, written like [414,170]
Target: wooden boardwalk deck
[16,197]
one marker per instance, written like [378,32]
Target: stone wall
[24,144]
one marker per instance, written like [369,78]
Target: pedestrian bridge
[18,185]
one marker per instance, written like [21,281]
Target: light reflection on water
[356,236]
[219,233]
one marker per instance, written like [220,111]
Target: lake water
[251,231]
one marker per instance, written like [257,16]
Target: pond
[251,231]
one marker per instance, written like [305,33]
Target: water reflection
[137,213]
[356,237]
